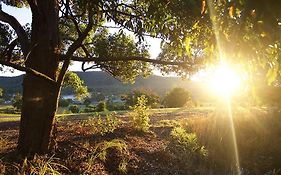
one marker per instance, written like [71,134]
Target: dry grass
[258,140]
[258,134]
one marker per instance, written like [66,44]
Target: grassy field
[179,141]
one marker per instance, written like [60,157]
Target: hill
[103,82]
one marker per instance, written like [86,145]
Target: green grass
[86,116]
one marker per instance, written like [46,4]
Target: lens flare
[224,81]
[229,85]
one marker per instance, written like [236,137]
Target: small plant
[187,141]
[140,116]
[40,165]
[106,149]
[104,126]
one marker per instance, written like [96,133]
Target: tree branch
[124,58]
[22,36]
[27,69]
[76,44]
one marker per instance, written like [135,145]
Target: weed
[40,165]
[140,116]
[104,126]
[106,148]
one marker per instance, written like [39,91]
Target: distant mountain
[103,82]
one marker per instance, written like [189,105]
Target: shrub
[140,116]
[104,126]
[101,106]
[74,109]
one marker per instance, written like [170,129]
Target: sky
[23,15]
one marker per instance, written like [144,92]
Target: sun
[224,80]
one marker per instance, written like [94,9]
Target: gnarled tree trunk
[40,96]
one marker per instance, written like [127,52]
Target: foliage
[98,96]
[106,126]
[103,150]
[167,123]
[1,92]
[130,98]
[90,108]
[177,97]
[115,106]
[101,106]
[72,80]
[140,116]
[87,102]
[41,165]
[64,102]
[74,108]
[17,101]
[187,141]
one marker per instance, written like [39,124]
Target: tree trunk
[40,96]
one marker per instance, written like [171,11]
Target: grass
[86,116]
[170,145]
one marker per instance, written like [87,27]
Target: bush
[104,126]
[101,106]
[74,109]
[140,115]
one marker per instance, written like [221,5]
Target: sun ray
[228,86]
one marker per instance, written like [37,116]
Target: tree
[74,109]
[101,106]
[87,102]
[17,101]
[97,96]
[131,98]
[75,30]
[177,97]
[64,102]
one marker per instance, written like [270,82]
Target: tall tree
[76,30]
